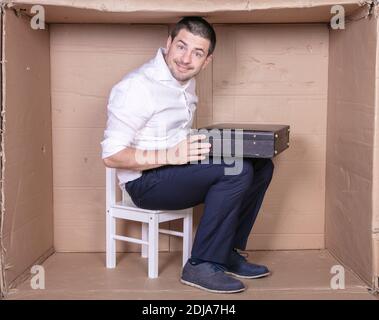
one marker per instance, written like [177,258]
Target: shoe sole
[248,277]
[210,290]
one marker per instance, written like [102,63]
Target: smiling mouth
[181,67]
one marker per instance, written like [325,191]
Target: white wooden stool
[127,210]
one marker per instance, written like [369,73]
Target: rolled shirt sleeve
[129,108]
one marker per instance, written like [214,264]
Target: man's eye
[199,55]
[181,47]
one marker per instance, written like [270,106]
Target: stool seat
[150,219]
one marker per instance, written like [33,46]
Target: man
[151,110]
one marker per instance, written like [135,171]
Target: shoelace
[241,254]
[217,267]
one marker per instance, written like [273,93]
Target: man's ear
[207,60]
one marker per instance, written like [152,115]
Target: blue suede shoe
[210,277]
[241,268]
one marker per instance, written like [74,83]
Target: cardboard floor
[301,274]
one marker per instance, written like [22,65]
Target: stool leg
[187,237]
[153,245]
[145,232]
[110,241]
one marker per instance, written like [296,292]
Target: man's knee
[267,169]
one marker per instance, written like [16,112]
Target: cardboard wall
[350,145]
[276,74]
[28,199]
[2,212]
[86,61]
[251,80]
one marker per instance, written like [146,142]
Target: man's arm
[185,151]
[128,159]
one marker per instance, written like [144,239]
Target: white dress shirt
[149,110]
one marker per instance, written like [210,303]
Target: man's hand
[190,149]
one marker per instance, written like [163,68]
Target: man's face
[186,55]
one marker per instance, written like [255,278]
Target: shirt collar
[163,73]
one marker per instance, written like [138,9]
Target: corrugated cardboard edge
[375,280]
[3,285]
[222,11]
[238,11]
[188,6]
[375,195]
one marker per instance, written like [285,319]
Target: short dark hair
[197,26]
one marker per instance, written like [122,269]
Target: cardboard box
[276,61]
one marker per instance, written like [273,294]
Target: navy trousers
[231,202]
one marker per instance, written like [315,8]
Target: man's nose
[186,57]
